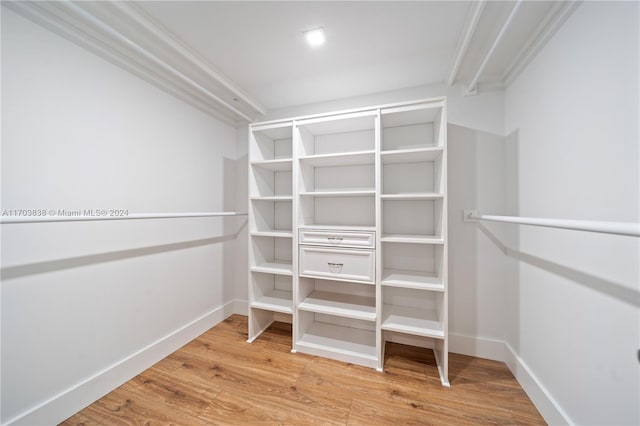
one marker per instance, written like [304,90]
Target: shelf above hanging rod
[629,229]
[71,217]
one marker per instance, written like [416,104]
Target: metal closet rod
[82,218]
[630,229]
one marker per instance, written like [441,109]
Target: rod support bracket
[470,90]
[470,216]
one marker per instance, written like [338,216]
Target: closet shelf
[419,322]
[411,238]
[280,267]
[272,198]
[340,159]
[412,279]
[274,233]
[338,227]
[413,155]
[412,196]
[355,193]
[275,301]
[278,165]
[343,305]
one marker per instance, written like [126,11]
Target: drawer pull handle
[335,268]
[334,238]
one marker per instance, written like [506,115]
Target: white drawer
[337,238]
[337,264]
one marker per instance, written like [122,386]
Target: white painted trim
[70,401]
[557,16]
[469,29]
[178,71]
[481,347]
[498,350]
[536,391]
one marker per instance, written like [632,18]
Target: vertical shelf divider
[295,171]
[378,165]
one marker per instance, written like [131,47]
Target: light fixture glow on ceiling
[315,37]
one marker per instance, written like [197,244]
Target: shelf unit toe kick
[342,343]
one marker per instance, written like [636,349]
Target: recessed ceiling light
[315,37]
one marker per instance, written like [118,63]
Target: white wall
[572,121]
[476,166]
[77,299]
[86,305]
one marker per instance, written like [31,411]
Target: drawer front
[337,238]
[337,264]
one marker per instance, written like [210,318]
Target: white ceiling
[371,46]
[239,59]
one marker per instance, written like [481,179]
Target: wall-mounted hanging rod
[617,228]
[70,216]
[475,12]
[471,86]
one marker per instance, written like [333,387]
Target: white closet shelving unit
[413,242]
[348,230]
[271,245]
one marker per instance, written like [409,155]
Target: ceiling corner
[547,27]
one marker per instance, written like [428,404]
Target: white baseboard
[481,347]
[75,398]
[499,350]
[539,395]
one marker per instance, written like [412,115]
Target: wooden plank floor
[218,378]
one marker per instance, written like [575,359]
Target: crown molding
[124,35]
[554,19]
